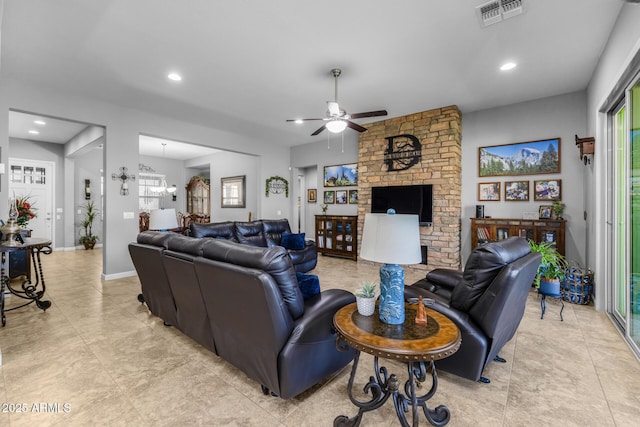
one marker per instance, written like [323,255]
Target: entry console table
[417,345]
[485,230]
[30,291]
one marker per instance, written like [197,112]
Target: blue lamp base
[391,306]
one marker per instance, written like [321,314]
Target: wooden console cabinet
[485,230]
[337,235]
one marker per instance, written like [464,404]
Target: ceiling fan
[336,119]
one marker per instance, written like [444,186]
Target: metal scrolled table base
[383,385]
[29,289]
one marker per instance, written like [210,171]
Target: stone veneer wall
[439,131]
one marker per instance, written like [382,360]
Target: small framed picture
[547,190]
[312,195]
[545,211]
[353,197]
[516,191]
[329,197]
[489,191]
[341,197]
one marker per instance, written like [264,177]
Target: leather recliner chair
[486,301]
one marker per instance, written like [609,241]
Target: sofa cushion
[309,285]
[273,261]
[292,241]
[217,230]
[154,238]
[251,233]
[273,230]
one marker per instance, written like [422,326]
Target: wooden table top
[438,339]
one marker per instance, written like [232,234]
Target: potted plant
[558,209]
[366,298]
[89,239]
[552,268]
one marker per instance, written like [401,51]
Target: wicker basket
[578,285]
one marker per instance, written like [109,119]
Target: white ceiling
[249,65]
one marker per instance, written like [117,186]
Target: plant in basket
[366,298]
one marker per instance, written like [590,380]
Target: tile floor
[97,357]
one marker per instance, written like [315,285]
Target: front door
[34,179]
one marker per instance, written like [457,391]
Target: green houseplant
[558,209]
[552,268]
[366,298]
[88,239]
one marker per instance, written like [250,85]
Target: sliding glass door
[624,213]
[634,211]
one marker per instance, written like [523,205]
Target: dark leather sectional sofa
[265,233]
[243,303]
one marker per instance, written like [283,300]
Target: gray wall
[559,116]
[309,161]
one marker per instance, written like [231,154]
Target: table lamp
[391,239]
[163,219]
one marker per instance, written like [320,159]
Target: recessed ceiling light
[34,132]
[508,66]
[40,122]
[175,77]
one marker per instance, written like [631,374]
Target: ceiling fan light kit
[336,126]
[337,119]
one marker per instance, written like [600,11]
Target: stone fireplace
[438,162]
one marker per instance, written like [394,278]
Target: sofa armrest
[444,277]
[317,322]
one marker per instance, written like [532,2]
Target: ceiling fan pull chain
[342,141]
[328,141]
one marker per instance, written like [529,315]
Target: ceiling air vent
[497,10]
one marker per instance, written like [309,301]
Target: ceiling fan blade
[304,120]
[369,114]
[318,131]
[355,126]
[334,108]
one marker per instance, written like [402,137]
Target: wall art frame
[521,158]
[345,175]
[547,190]
[353,197]
[341,197]
[516,191]
[329,197]
[489,191]
[312,195]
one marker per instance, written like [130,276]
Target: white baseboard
[118,275]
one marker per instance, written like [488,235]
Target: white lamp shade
[163,219]
[336,126]
[391,239]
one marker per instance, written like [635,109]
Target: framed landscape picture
[489,191]
[522,158]
[516,191]
[341,175]
[547,190]
[329,197]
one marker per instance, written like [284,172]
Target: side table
[417,345]
[29,290]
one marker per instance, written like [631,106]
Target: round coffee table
[417,345]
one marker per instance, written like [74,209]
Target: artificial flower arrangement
[26,211]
